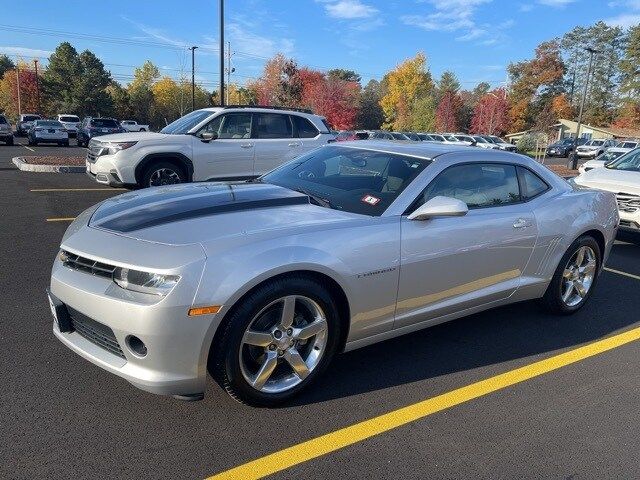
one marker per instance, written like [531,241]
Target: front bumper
[177,345]
[587,154]
[556,153]
[107,170]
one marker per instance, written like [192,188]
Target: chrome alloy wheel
[164,176]
[578,276]
[283,344]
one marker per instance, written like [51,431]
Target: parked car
[484,143]
[345,136]
[502,144]
[95,127]
[381,135]
[208,144]
[465,139]
[622,177]
[133,126]
[412,136]
[601,160]
[351,244]
[564,147]
[71,123]
[400,136]
[593,148]
[6,133]
[25,122]
[48,131]
[629,144]
[451,139]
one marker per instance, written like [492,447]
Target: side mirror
[208,136]
[440,207]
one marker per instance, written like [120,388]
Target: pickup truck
[133,126]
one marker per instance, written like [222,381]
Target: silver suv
[221,143]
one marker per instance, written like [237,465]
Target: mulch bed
[55,160]
[563,171]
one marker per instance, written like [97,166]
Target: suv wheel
[163,173]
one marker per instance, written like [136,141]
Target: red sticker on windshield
[370,199]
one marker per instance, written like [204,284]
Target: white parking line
[630,275]
[28,148]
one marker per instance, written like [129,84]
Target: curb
[29,167]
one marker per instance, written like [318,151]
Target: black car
[564,147]
[95,127]
[6,135]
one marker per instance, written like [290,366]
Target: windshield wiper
[323,202]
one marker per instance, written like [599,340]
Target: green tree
[120,100]
[59,80]
[423,114]
[140,93]
[345,75]
[91,88]
[448,83]
[6,64]
[370,114]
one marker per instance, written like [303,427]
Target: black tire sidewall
[228,362]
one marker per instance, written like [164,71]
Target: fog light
[136,345]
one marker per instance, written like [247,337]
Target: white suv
[220,143]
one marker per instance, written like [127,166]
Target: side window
[532,184]
[477,184]
[305,128]
[273,125]
[234,126]
[213,126]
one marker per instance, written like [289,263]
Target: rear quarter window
[532,184]
[305,128]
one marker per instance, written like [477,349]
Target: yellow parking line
[74,189]
[630,275]
[61,219]
[325,444]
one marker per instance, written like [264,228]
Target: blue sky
[474,38]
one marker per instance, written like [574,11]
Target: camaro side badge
[370,199]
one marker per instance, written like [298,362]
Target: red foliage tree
[491,114]
[9,92]
[448,112]
[331,97]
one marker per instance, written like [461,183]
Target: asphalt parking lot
[511,393]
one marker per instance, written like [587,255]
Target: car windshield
[104,123]
[354,180]
[30,118]
[424,136]
[451,138]
[627,145]
[495,139]
[69,118]
[48,123]
[565,141]
[480,140]
[464,138]
[594,143]
[609,156]
[437,138]
[398,136]
[629,162]
[188,122]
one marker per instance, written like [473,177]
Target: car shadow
[517,331]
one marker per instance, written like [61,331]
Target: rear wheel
[575,278]
[276,342]
[163,173]
[10,141]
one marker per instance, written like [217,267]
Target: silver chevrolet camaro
[262,283]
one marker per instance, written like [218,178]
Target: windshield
[188,122]
[30,118]
[627,145]
[451,138]
[355,180]
[104,123]
[480,140]
[464,138]
[48,123]
[609,156]
[398,136]
[69,118]
[495,139]
[566,141]
[437,138]
[629,162]
[594,143]
[3,120]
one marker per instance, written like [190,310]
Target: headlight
[145,282]
[114,147]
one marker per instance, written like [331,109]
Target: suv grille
[95,332]
[86,265]
[628,203]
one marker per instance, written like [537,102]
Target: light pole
[222,53]
[229,70]
[193,77]
[574,163]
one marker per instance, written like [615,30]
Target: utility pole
[222,53]
[18,82]
[193,77]
[229,70]
[35,63]
[574,163]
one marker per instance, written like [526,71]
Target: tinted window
[532,184]
[477,184]
[48,123]
[305,128]
[30,118]
[104,123]
[629,162]
[69,118]
[3,120]
[273,125]
[351,179]
[233,125]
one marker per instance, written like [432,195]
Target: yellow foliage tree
[405,85]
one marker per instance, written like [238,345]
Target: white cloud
[25,52]
[555,3]
[624,20]
[245,40]
[348,9]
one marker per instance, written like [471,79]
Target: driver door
[231,155]
[451,264]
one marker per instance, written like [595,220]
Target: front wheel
[575,278]
[163,173]
[276,342]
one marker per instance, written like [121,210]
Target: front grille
[627,202]
[95,332]
[82,264]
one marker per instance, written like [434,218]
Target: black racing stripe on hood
[156,212]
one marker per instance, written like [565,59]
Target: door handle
[294,144]
[520,223]
[246,145]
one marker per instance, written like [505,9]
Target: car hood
[211,212]
[611,180]
[131,136]
[589,147]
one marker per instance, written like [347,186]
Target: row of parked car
[483,141]
[58,130]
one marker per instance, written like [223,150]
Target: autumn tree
[491,114]
[120,100]
[140,91]
[279,84]
[330,96]
[370,114]
[405,85]
[561,107]
[6,64]
[448,113]
[470,99]
[345,75]
[629,113]
[9,91]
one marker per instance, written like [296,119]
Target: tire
[79,142]
[9,141]
[553,300]
[231,357]
[163,173]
